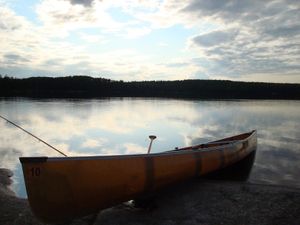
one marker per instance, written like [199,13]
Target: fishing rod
[7,120]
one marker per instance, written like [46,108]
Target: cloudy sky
[249,40]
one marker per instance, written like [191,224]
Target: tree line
[89,87]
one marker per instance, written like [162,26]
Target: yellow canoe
[62,188]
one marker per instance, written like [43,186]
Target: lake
[122,126]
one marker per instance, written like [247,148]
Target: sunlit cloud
[92,38]
[132,148]
[132,40]
[92,143]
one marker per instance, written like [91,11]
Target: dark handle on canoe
[152,137]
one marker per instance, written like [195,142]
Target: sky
[246,40]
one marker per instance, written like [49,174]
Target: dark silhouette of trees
[89,87]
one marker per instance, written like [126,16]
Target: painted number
[35,171]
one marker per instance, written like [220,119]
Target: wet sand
[201,202]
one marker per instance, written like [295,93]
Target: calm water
[122,126]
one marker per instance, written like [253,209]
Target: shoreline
[193,202]
[96,87]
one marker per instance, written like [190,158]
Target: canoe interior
[220,142]
[62,188]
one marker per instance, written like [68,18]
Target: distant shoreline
[89,87]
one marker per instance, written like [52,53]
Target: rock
[201,202]
[5,181]
[207,202]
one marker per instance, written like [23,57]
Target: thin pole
[152,137]
[33,136]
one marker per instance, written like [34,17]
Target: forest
[89,87]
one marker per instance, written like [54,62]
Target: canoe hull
[64,188]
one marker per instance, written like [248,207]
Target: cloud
[283,31]
[14,59]
[235,10]
[233,39]
[9,21]
[137,32]
[58,13]
[215,38]
[45,49]
[164,14]
[132,148]
[86,3]
[92,38]
[177,64]
[74,15]
[93,143]
[257,39]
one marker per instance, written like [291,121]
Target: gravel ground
[201,202]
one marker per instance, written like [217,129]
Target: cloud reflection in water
[122,126]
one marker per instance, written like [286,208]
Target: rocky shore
[201,202]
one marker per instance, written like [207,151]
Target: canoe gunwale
[145,155]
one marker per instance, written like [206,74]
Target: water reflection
[122,126]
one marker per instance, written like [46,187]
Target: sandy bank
[191,203]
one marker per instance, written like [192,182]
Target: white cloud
[10,21]
[132,148]
[62,15]
[137,32]
[92,38]
[234,39]
[93,143]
